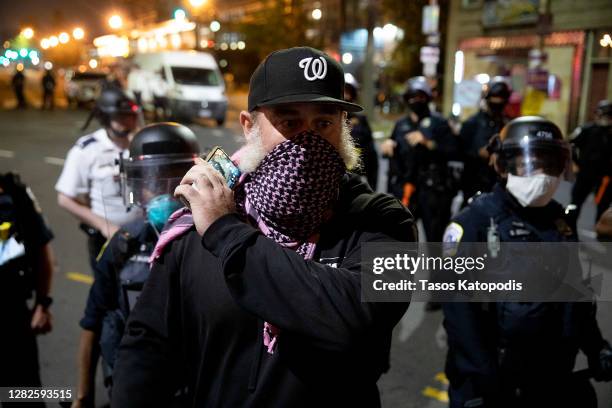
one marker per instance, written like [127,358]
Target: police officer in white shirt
[88,187]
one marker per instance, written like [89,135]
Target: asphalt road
[34,143]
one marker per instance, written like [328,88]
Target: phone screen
[224,165]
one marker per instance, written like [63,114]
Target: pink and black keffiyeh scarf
[287,198]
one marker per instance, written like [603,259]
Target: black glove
[601,365]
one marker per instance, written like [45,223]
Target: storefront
[556,55]
[545,82]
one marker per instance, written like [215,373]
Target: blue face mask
[160,208]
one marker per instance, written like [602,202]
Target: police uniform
[475,134]
[120,272]
[23,234]
[515,354]
[90,169]
[426,169]
[593,154]
[362,134]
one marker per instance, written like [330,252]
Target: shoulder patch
[451,238]
[453,233]
[85,141]
[575,133]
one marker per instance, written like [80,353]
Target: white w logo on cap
[314,69]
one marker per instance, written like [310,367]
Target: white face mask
[533,191]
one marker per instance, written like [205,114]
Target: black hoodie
[198,323]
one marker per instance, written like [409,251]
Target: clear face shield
[531,157]
[149,183]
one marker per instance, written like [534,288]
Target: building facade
[554,53]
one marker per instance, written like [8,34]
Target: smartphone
[224,165]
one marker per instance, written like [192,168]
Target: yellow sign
[532,104]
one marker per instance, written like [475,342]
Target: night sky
[48,17]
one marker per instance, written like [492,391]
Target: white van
[191,83]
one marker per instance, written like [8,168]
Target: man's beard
[253,152]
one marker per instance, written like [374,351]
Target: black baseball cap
[300,74]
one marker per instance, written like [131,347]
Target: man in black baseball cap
[257,302]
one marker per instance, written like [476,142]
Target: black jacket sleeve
[466,138]
[147,372]
[309,299]
[103,293]
[446,142]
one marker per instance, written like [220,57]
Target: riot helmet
[417,86]
[113,105]
[497,86]
[496,95]
[159,156]
[604,109]
[417,95]
[531,145]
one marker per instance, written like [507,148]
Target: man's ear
[247,122]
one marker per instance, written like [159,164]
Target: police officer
[88,186]
[520,354]
[593,160]
[361,133]
[419,148]
[159,156]
[48,88]
[26,267]
[18,84]
[475,135]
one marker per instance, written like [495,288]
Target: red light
[211,43]
[134,108]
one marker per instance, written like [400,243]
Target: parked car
[82,88]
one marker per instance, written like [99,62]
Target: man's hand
[208,194]
[415,137]
[387,147]
[41,320]
[484,153]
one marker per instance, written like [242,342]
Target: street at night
[507,104]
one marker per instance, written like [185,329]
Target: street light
[317,14]
[115,22]
[44,43]
[53,41]
[197,3]
[179,14]
[215,26]
[78,33]
[64,38]
[27,33]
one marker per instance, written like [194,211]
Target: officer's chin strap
[158,233]
[92,114]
